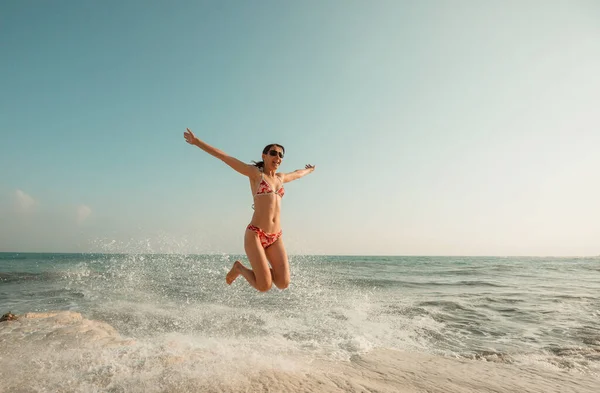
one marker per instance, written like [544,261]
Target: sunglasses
[275,153]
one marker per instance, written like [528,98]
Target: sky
[436,127]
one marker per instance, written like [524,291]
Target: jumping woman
[262,239]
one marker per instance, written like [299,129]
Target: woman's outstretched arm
[239,166]
[297,174]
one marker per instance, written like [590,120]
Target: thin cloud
[24,202]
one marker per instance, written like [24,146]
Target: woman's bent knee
[282,284]
[264,285]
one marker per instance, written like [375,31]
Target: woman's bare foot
[233,273]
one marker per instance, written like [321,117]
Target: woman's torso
[267,192]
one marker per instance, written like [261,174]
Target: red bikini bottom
[266,239]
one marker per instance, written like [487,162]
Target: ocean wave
[591,353]
[479,283]
[387,283]
[150,322]
[489,356]
[12,277]
[504,299]
[409,311]
[446,304]
[380,283]
[575,359]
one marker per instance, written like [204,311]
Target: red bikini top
[265,188]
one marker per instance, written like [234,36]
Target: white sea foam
[51,352]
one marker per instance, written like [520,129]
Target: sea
[170,323]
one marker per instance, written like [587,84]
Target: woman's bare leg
[277,256]
[260,275]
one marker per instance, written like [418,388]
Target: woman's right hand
[190,137]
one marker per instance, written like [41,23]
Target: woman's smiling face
[273,157]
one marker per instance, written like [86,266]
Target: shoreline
[71,353]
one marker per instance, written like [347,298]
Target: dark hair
[261,164]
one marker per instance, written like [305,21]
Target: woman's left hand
[190,137]
[311,167]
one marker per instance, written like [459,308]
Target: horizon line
[323,255]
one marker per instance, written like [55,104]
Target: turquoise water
[532,312]
[510,308]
